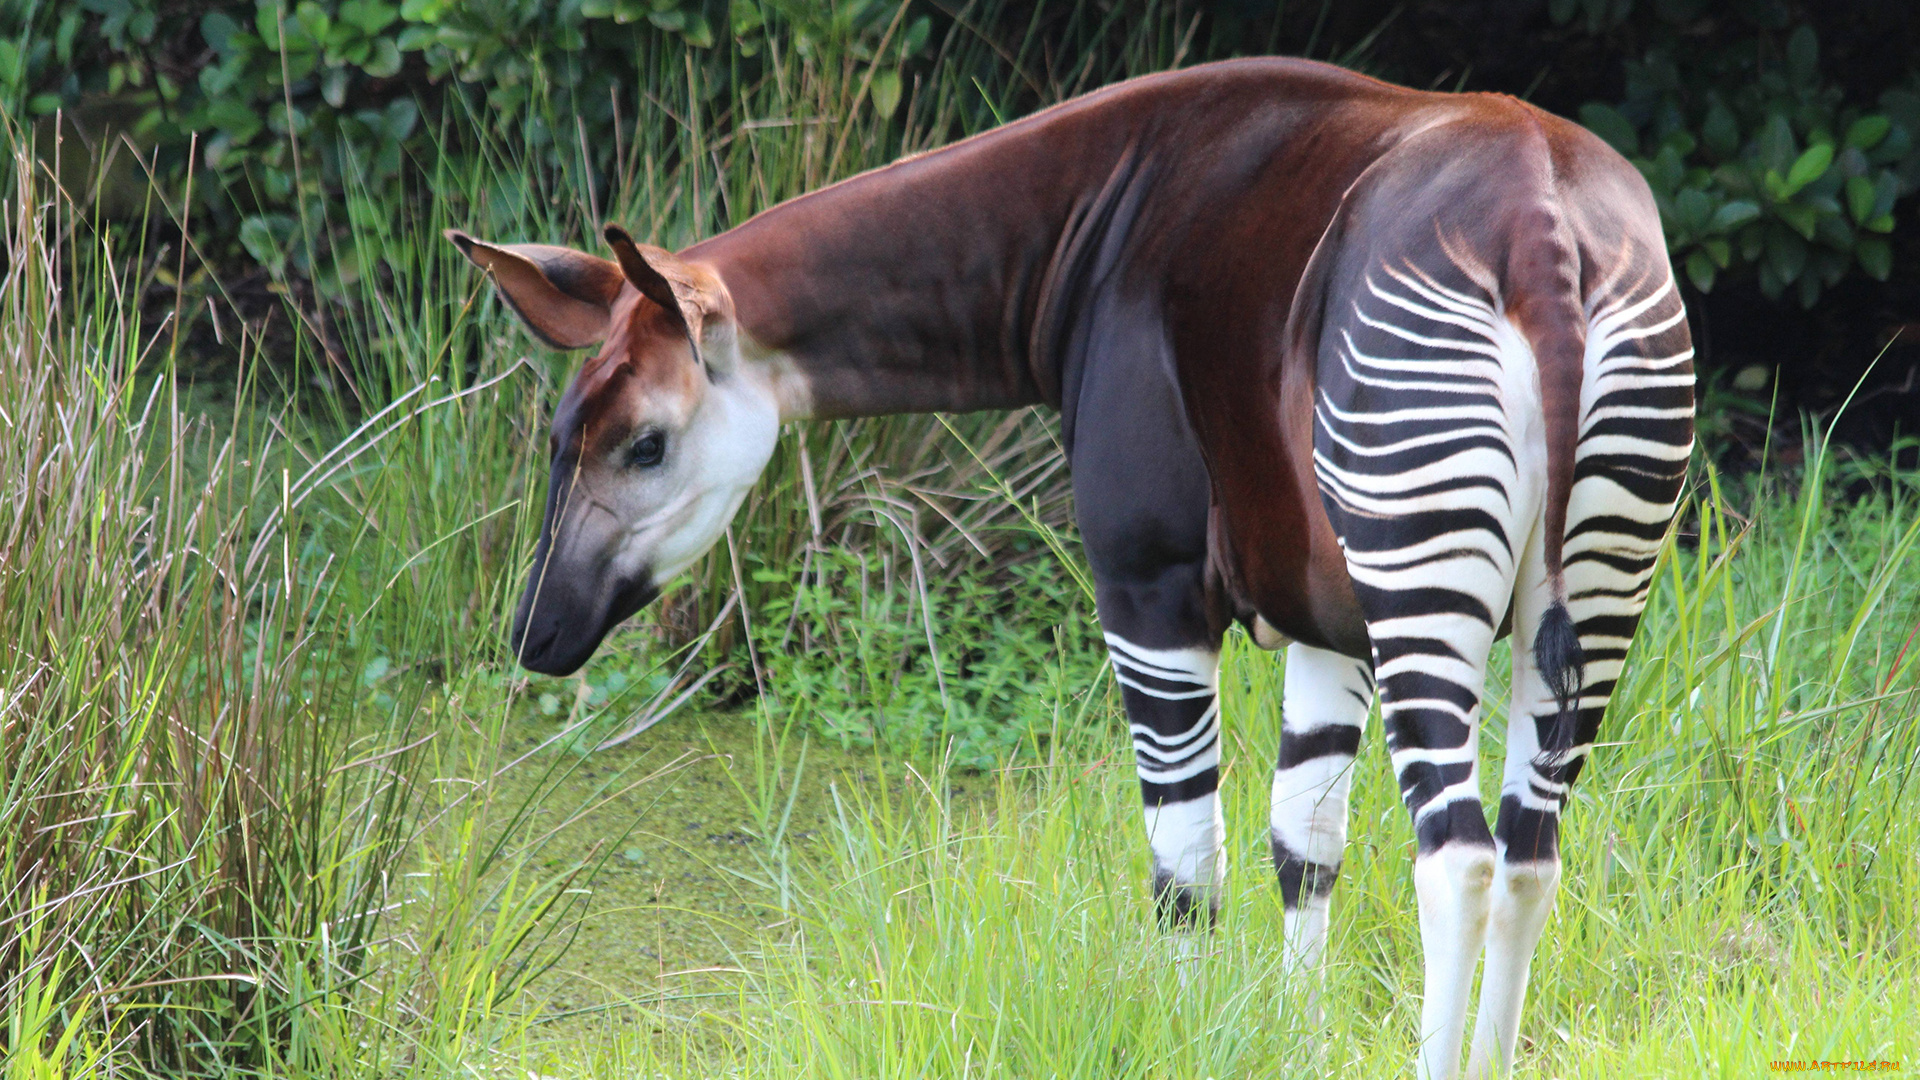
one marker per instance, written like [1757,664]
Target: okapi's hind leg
[1635,437]
[1323,712]
[1526,837]
[1421,381]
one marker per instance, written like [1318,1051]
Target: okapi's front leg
[1140,492]
[1173,711]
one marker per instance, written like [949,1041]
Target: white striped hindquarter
[1431,467]
[1431,453]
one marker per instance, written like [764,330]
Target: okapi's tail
[1557,331]
[1557,656]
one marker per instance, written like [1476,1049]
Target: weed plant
[225,670]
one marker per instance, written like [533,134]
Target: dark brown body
[1164,226]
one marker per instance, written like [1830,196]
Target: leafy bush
[286,106]
[974,665]
[1756,161]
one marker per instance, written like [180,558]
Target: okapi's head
[654,445]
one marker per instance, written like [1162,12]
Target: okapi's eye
[648,451]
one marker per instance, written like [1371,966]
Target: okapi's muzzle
[577,591]
[567,611]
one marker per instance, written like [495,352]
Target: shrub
[1757,162]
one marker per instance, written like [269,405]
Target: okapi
[1380,372]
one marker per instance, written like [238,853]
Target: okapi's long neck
[945,282]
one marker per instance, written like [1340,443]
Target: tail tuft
[1558,658]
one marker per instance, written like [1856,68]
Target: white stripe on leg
[1452,884]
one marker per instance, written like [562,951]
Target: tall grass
[230,638]
[170,730]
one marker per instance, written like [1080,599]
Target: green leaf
[370,16]
[385,61]
[1802,218]
[1732,215]
[1831,229]
[1613,126]
[1809,290]
[1866,132]
[915,38]
[1720,251]
[1809,167]
[1875,255]
[1786,255]
[886,92]
[1692,208]
[1881,224]
[402,115]
[1885,190]
[264,236]
[1701,270]
[266,20]
[333,86]
[1776,143]
[233,117]
[699,32]
[1666,171]
[217,29]
[1681,140]
[315,20]
[1859,198]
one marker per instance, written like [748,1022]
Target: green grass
[1743,872]
[275,802]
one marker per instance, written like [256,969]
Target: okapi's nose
[539,638]
[560,621]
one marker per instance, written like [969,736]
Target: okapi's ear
[564,296]
[690,293]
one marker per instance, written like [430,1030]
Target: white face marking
[671,513]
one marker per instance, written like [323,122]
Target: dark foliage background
[1782,138]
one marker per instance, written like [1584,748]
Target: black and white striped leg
[1323,713]
[1635,438]
[1526,836]
[1526,840]
[1430,711]
[1173,710]
[1415,451]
